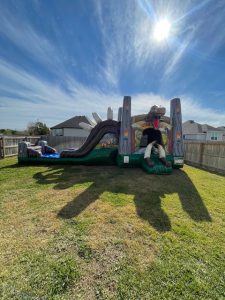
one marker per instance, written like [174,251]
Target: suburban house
[70,127]
[202,132]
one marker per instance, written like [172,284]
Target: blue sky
[60,58]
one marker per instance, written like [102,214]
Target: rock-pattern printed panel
[125,129]
[176,123]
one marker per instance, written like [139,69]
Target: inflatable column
[120,110]
[125,128]
[42,144]
[176,123]
[22,149]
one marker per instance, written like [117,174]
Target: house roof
[72,123]
[206,127]
[222,128]
[191,127]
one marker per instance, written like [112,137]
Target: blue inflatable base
[53,155]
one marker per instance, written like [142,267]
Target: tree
[6,131]
[13,132]
[37,128]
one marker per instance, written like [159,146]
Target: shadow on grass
[13,166]
[148,190]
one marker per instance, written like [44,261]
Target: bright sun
[162,30]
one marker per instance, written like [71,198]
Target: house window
[59,132]
[214,136]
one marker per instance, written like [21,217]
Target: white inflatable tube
[85,126]
[109,113]
[91,122]
[96,117]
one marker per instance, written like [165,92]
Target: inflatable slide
[151,141]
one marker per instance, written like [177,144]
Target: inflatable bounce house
[151,141]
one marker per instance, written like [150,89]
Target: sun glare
[162,30]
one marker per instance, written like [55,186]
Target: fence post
[201,152]
[3,147]
[0,147]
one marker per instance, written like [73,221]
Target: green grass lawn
[79,232]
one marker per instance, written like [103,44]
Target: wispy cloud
[53,104]
[197,32]
[178,54]
[128,47]
[30,98]
[26,38]
[128,39]
[191,109]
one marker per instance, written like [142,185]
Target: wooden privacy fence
[65,142]
[9,144]
[207,154]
